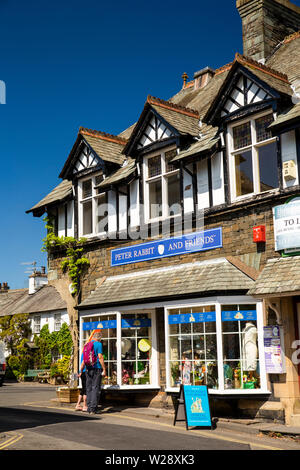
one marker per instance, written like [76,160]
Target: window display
[214,345]
[136,349]
[133,365]
[240,349]
[193,346]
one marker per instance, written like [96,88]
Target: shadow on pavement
[12,419]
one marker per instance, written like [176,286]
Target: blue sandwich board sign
[193,406]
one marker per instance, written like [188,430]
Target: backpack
[89,356]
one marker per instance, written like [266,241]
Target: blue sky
[69,64]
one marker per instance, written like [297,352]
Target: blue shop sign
[99,325]
[136,323]
[243,315]
[198,241]
[192,318]
[105,325]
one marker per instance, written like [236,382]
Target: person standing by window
[94,374]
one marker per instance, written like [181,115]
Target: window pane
[154,166]
[87,218]
[243,173]
[174,194]
[168,156]
[242,136]
[261,125]
[155,199]
[86,189]
[268,169]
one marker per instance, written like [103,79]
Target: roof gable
[155,131]
[86,159]
[159,121]
[93,149]
[247,84]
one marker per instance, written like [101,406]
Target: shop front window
[108,326]
[136,349]
[193,347]
[240,347]
[216,345]
[133,333]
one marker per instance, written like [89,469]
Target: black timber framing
[229,85]
[279,161]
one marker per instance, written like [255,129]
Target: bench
[34,374]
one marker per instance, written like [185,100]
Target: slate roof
[191,278]
[209,138]
[279,276]
[107,146]
[18,301]
[58,194]
[121,174]
[289,114]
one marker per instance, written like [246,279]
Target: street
[30,421]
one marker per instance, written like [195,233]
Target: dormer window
[253,157]
[162,186]
[91,206]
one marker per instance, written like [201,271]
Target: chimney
[37,280]
[202,77]
[4,287]
[265,24]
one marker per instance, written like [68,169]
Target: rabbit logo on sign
[161,249]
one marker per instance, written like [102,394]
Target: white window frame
[154,356]
[218,302]
[57,320]
[93,198]
[37,324]
[255,159]
[164,186]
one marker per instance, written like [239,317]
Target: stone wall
[237,241]
[265,24]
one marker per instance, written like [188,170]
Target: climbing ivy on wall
[74,263]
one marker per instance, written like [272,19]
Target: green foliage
[14,331]
[58,341]
[14,362]
[74,264]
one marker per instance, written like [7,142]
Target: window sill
[130,387]
[227,392]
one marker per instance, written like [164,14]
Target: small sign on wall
[274,350]
[287,225]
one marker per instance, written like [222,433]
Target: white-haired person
[94,374]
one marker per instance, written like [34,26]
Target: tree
[14,329]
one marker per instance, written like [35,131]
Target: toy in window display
[228,376]
[212,375]
[186,370]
